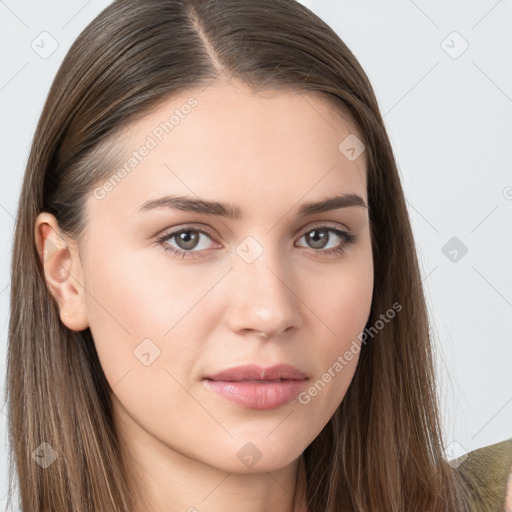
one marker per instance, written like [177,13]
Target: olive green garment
[487,471]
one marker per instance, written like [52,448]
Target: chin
[258,453]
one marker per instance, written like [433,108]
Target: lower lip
[257,395]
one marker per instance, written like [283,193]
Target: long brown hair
[382,449]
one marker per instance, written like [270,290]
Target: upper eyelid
[208,231]
[204,230]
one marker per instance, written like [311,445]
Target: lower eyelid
[173,235]
[346,239]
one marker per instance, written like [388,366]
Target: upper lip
[255,372]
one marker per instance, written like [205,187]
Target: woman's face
[162,321]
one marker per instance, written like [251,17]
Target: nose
[264,301]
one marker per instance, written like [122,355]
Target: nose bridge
[264,298]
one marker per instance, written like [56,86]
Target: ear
[63,271]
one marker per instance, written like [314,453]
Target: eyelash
[349,238]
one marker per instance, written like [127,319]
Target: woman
[214,250]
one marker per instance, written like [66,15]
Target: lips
[253,387]
[253,373]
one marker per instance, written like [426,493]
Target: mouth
[259,388]
[253,372]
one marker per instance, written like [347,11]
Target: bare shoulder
[508,501]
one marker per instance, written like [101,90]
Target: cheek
[343,302]
[143,322]
[141,315]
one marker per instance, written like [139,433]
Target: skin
[509,494]
[268,152]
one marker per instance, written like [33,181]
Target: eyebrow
[233,211]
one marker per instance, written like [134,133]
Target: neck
[167,481]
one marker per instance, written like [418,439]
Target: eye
[187,238]
[189,241]
[320,236]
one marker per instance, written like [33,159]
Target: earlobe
[62,271]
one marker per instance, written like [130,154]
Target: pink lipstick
[254,387]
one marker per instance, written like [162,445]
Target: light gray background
[448,117]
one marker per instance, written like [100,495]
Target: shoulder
[488,473]
[508,501]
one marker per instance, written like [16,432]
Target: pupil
[186,240]
[318,236]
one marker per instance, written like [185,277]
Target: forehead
[228,141]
